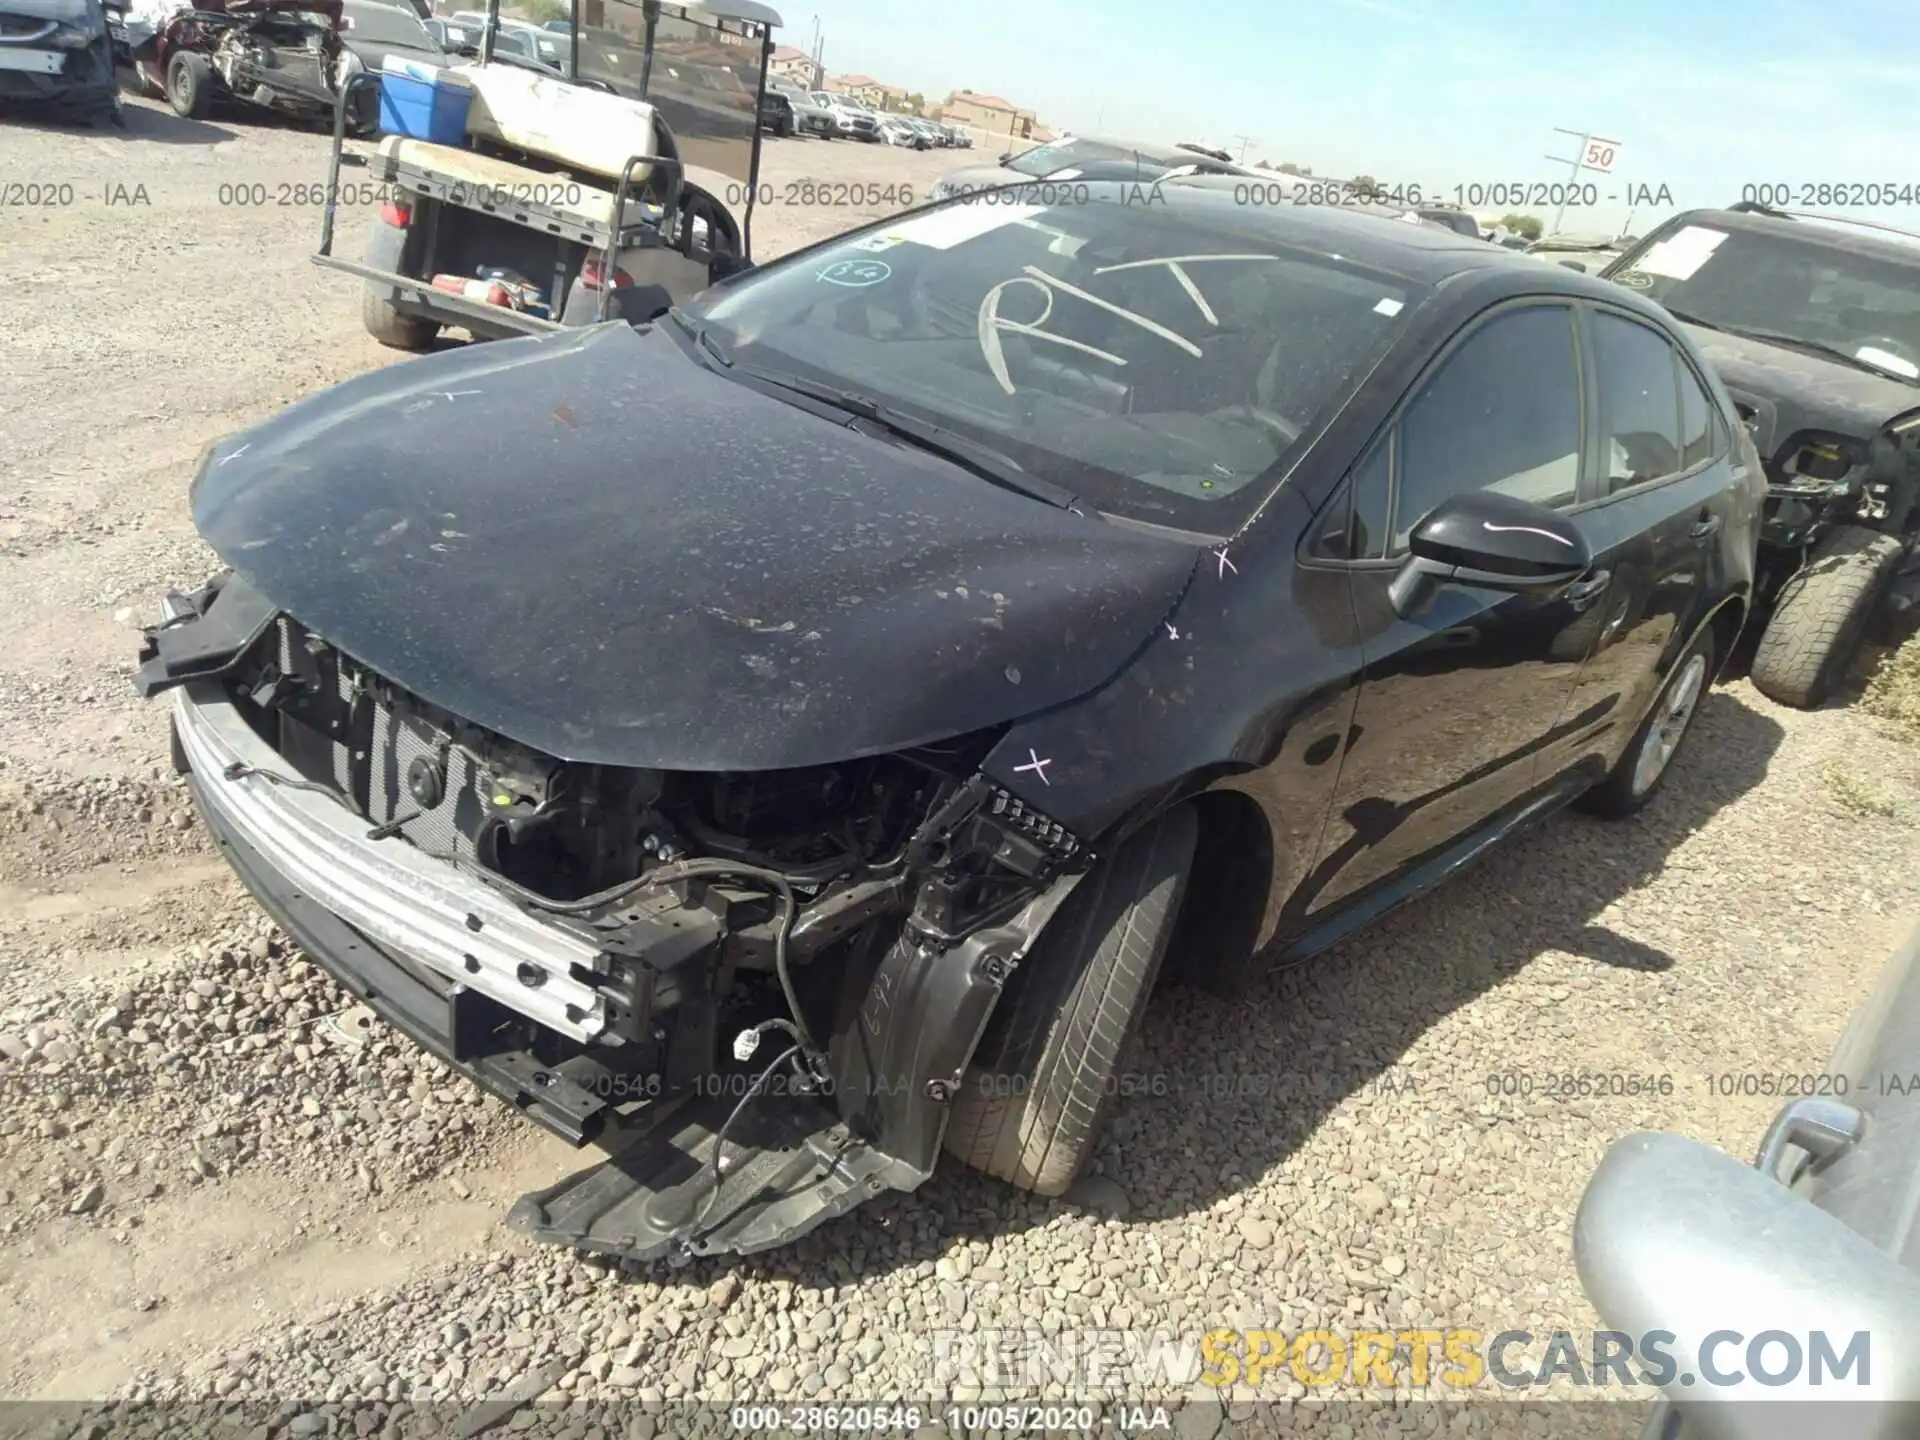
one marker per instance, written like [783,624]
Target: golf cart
[502,220]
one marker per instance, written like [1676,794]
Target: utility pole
[1245,141]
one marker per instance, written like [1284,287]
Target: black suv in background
[1814,325]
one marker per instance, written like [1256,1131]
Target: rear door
[1664,493]
[1456,702]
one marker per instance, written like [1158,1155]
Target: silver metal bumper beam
[413,903]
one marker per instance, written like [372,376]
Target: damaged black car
[1814,325]
[779,739]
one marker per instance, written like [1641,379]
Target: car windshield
[1800,289]
[387,25]
[1063,154]
[1160,365]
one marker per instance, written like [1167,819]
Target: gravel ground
[217,1182]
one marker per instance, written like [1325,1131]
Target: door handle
[1705,528]
[1581,591]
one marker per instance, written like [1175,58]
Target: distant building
[997,118]
[791,64]
[871,92]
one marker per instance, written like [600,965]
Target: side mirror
[1492,542]
[726,263]
[1673,1236]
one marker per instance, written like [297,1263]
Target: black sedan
[790,734]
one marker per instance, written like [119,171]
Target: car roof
[1834,231]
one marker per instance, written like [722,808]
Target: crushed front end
[757,991]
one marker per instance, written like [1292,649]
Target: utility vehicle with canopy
[645,149]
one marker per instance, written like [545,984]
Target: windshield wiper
[1775,337]
[988,463]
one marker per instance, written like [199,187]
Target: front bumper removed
[441,955]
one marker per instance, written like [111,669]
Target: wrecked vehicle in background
[57,56]
[909,644]
[281,55]
[1814,325]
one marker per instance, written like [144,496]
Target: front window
[1157,364]
[1786,287]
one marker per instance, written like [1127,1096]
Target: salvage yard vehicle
[1088,157]
[912,642]
[1819,1237]
[58,55]
[289,56]
[568,201]
[1814,324]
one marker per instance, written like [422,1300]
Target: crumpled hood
[1792,391]
[591,544]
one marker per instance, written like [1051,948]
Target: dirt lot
[215,1183]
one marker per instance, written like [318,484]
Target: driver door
[1458,700]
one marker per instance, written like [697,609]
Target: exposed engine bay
[285,55]
[863,915]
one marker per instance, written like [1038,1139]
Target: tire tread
[1063,1025]
[1821,613]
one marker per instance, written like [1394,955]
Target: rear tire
[1640,772]
[1037,1092]
[392,328]
[1821,614]
[189,84]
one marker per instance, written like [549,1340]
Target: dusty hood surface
[589,543]
[1795,391]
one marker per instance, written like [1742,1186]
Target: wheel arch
[1226,915]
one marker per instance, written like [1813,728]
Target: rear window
[1160,364]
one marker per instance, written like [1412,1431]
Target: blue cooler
[423,101]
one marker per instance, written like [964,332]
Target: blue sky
[1704,97]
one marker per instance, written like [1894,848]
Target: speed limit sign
[1600,154]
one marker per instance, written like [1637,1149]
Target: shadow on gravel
[163,127]
[1215,1093]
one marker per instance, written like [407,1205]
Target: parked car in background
[288,56]
[1316,555]
[1820,1236]
[1086,157]
[452,36]
[850,120]
[777,113]
[1814,325]
[810,117]
[58,56]
[899,130]
[1589,253]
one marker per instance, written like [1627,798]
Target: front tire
[189,84]
[1036,1094]
[1639,773]
[1821,614]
